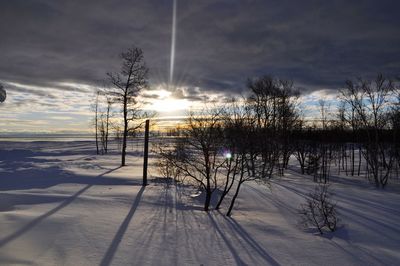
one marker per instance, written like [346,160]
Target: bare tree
[127,85]
[302,150]
[237,130]
[107,124]
[319,210]
[288,119]
[371,101]
[3,94]
[394,118]
[324,110]
[273,104]
[240,138]
[197,154]
[95,107]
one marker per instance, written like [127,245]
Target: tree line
[263,134]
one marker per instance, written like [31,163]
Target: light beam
[172,61]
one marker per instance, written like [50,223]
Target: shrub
[319,211]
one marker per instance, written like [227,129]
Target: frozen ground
[62,205]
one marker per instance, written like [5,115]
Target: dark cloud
[190,93]
[40,93]
[220,43]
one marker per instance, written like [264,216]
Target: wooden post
[146,152]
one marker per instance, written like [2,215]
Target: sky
[54,54]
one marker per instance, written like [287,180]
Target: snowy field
[60,204]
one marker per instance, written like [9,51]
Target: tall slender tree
[126,86]
[96,119]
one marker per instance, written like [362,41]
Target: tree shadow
[24,153]
[373,201]
[109,255]
[281,205]
[236,227]
[238,260]
[31,177]
[31,157]
[371,222]
[39,219]
[194,197]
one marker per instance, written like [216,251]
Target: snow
[60,204]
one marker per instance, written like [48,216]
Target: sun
[169,105]
[166,103]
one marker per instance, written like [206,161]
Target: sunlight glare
[167,103]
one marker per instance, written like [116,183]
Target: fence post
[146,152]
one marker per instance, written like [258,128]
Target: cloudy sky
[55,53]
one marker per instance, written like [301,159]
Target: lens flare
[228,155]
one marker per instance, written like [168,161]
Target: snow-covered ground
[60,204]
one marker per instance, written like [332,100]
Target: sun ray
[173,38]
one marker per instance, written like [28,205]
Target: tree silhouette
[3,94]
[127,85]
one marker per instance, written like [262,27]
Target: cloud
[60,50]
[193,94]
[60,118]
[29,91]
[219,43]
